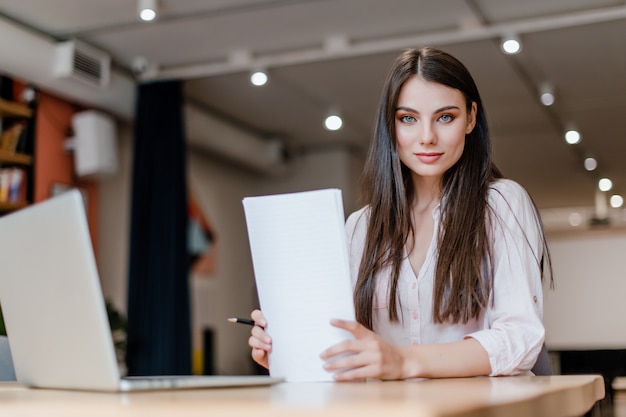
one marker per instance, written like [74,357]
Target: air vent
[78,61]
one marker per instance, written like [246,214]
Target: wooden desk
[552,396]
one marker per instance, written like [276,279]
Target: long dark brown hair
[464,270]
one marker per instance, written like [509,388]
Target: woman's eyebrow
[439,110]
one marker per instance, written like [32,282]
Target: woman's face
[431,123]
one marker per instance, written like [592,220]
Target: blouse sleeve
[513,331]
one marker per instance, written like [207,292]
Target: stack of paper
[300,258]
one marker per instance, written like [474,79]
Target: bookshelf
[15,167]
[6,206]
[13,109]
[14,158]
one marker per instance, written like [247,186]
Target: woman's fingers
[260,357]
[347,346]
[356,374]
[358,344]
[353,360]
[259,318]
[259,341]
[358,330]
[261,338]
[365,356]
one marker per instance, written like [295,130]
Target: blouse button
[415,315]
[413,285]
[535,299]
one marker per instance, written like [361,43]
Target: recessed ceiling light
[591,164]
[616,201]
[572,136]
[147,10]
[333,122]
[259,78]
[546,95]
[605,184]
[511,45]
[575,219]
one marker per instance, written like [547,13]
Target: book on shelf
[22,141]
[11,136]
[12,185]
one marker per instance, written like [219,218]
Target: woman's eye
[446,118]
[407,119]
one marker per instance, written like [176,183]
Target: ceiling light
[333,122]
[605,184]
[616,201]
[546,95]
[572,136]
[511,45]
[259,78]
[590,164]
[147,10]
[575,219]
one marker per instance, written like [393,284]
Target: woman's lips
[428,157]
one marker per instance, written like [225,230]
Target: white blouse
[510,328]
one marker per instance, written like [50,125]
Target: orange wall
[53,164]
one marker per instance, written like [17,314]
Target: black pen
[242,321]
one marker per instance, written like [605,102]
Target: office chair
[543,366]
[7,372]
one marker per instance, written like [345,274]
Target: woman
[446,256]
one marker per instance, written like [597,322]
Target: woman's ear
[471,119]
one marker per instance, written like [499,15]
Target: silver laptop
[54,310]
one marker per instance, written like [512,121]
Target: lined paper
[300,259]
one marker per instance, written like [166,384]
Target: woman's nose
[428,135]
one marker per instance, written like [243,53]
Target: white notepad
[300,258]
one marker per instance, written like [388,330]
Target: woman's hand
[366,356]
[260,342]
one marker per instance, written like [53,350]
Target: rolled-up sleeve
[513,331]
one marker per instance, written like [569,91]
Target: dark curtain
[158,328]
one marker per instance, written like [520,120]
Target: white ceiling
[334,54]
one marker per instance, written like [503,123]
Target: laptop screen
[51,298]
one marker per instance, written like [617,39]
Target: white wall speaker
[95,144]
